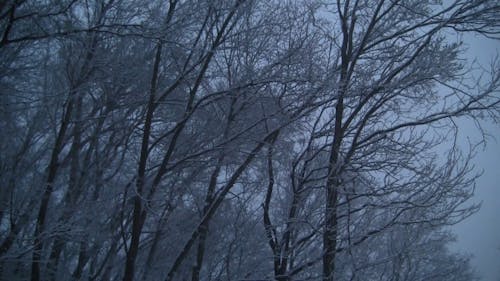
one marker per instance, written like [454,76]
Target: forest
[239,140]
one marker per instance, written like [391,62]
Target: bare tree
[389,65]
[237,140]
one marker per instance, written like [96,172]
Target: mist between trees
[238,139]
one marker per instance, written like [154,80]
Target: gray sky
[480,233]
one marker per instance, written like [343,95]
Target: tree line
[238,139]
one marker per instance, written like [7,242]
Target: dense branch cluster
[237,139]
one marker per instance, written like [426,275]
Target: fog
[479,235]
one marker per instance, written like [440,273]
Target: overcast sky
[480,233]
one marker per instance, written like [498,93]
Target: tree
[236,140]
[391,57]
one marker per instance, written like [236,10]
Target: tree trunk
[138,217]
[49,187]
